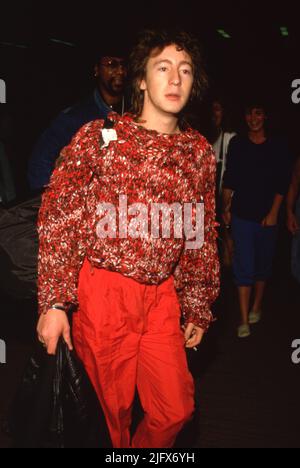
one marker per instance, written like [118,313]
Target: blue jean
[254,249]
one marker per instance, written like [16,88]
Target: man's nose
[121,70]
[175,79]
[122,66]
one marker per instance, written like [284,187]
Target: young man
[110,73]
[131,288]
[255,182]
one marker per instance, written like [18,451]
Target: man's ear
[143,85]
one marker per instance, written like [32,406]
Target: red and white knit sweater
[147,167]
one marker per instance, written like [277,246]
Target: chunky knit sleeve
[61,222]
[197,275]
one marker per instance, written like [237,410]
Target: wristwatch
[58,307]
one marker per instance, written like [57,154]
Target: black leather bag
[19,249]
[56,405]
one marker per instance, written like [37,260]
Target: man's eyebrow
[183,62]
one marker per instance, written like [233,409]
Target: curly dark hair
[157,40]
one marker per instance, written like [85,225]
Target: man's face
[111,73]
[169,81]
[256,119]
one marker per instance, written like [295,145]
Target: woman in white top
[220,139]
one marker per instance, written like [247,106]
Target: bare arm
[227,199]
[272,218]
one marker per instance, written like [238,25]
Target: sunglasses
[113,64]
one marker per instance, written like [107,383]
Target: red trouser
[128,336]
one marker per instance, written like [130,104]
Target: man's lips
[173,97]
[118,82]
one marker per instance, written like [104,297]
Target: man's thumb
[67,338]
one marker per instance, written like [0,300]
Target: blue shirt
[256,173]
[59,135]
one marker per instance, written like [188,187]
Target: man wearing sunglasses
[110,74]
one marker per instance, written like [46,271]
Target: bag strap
[108,124]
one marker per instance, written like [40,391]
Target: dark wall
[44,77]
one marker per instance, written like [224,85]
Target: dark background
[44,77]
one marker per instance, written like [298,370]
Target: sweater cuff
[202,320]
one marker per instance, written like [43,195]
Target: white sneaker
[244,331]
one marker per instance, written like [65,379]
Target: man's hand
[193,335]
[51,327]
[270,220]
[292,224]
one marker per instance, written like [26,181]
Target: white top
[217,149]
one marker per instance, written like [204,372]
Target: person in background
[220,138]
[293,219]
[110,74]
[255,182]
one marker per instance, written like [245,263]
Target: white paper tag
[108,135]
